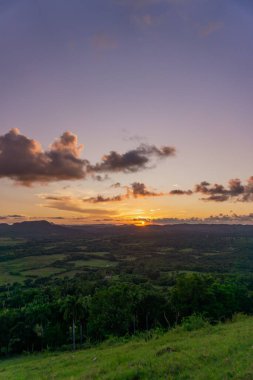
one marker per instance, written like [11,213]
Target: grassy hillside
[217,352]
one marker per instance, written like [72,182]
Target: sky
[126,111]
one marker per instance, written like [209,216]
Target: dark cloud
[133,160]
[235,187]
[235,190]
[55,217]
[219,193]
[139,189]
[247,195]
[135,190]
[180,192]
[216,198]
[23,160]
[100,178]
[116,185]
[206,188]
[102,199]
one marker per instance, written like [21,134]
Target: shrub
[194,322]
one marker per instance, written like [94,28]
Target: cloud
[218,193]
[68,203]
[213,219]
[135,190]
[64,198]
[133,160]
[180,192]
[116,185]
[139,189]
[235,191]
[103,199]
[24,161]
[100,178]
[210,28]
[75,208]
[145,14]
[247,195]
[56,217]
[134,138]
[6,217]
[145,20]
[102,41]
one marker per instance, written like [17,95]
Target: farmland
[114,250]
[66,286]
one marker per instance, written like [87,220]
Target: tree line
[79,312]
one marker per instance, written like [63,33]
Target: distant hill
[34,229]
[43,229]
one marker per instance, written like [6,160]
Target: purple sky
[118,73]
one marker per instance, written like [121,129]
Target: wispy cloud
[138,4]
[68,203]
[135,190]
[145,20]
[14,216]
[210,28]
[102,41]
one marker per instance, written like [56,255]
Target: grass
[43,272]
[19,269]
[96,263]
[6,278]
[31,262]
[186,250]
[69,273]
[9,242]
[102,254]
[220,352]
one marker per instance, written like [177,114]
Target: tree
[75,309]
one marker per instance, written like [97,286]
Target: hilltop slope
[217,352]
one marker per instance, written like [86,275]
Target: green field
[42,272]
[45,265]
[20,269]
[96,263]
[31,262]
[9,242]
[220,352]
